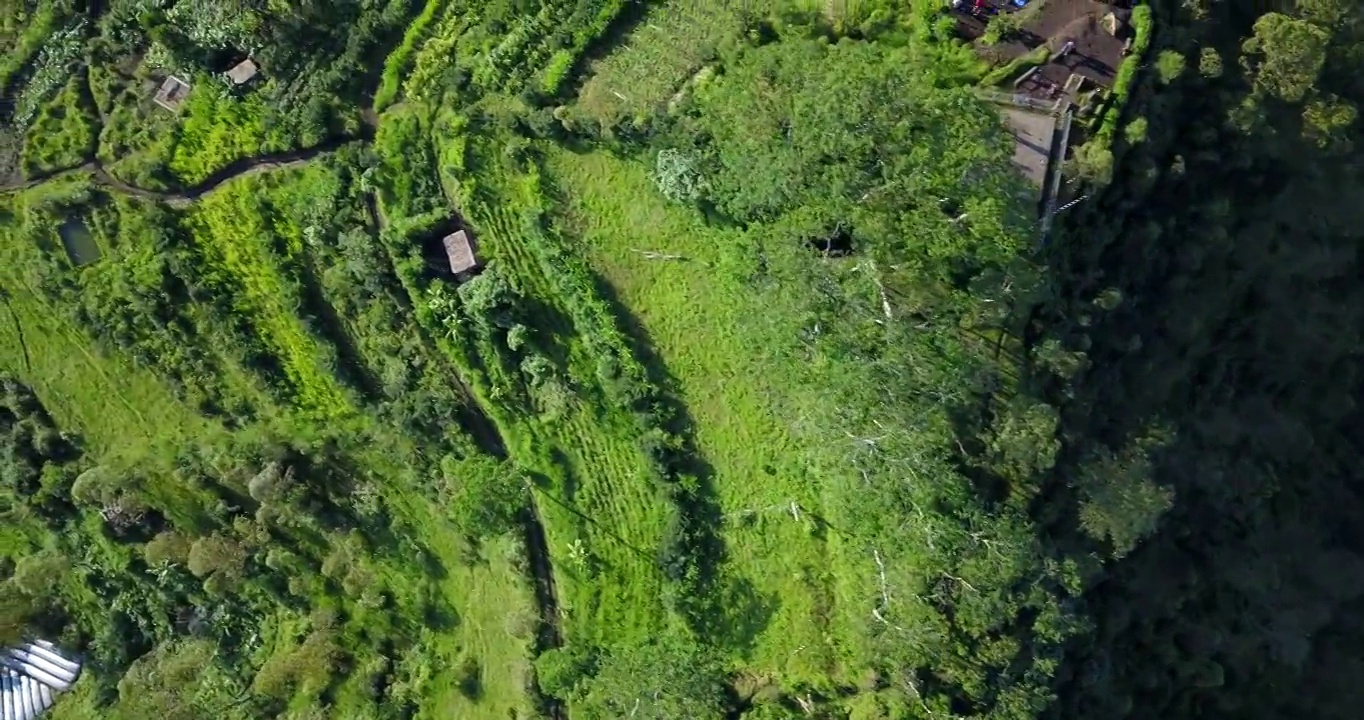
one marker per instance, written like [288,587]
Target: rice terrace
[677,359]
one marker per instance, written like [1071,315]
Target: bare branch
[651,255]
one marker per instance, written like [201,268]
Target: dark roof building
[172,93]
[243,72]
[462,251]
[31,675]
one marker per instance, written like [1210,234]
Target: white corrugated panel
[31,675]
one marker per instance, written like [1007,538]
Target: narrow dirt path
[239,169]
[546,597]
[18,329]
[480,424]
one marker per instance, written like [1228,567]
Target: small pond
[79,242]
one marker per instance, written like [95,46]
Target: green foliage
[660,680]
[1285,55]
[220,129]
[24,30]
[399,61]
[1016,67]
[1169,66]
[561,671]
[63,134]
[1210,62]
[1135,131]
[1142,28]
[485,499]
[853,143]
[677,176]
[52,70]
[177,682]
[217,555]
[167,548]
[909,472]
[1327,122]
[556,72]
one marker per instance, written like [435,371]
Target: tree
[814,135]
[1327,121]
[168,547]
[178,681]
[40,574]
[217,554]
[485,497]
[1286,55]
[1210,62]
[1023,442]
[561,671]
[16,613]
[488,299]
[1121,503]
[1169,66]
[663,679]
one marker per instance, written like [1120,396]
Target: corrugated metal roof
[242,72]
[462,252]
[31,675]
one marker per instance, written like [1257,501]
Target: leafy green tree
[40,574]
[853,135]
[1023,442]
[1286,55]
[1121,503]
[1327,121]
[560,671]
[168,547]
[659,680]
[217,554]
[489,299]
[178,681]
[1169,66]
[16,614]
[486,498]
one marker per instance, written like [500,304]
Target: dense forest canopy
[768,396]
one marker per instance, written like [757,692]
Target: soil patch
[1095,53]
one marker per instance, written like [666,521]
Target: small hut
[172,93]
[243,72]
[462,252]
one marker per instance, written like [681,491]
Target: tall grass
[40,26]
[235,235]
[397,64]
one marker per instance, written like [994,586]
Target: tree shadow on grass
[737,613]
[728,612]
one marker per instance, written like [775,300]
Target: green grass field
[694,314]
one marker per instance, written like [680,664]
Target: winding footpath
[244,167]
